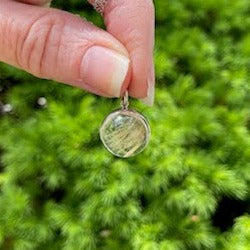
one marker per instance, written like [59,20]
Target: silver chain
[99,6]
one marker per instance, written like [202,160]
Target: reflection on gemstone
[125,133]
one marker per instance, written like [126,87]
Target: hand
[54,44]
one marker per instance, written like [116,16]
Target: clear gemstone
[125,133]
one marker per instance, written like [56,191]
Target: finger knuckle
[34,46]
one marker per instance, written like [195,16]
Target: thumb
[54,44]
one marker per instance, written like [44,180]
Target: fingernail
[149,99]
[105,70]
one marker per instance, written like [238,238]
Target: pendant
[125,132]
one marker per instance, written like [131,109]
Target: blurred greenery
[190,189]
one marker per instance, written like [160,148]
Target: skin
[54,44]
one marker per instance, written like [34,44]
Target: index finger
[132,23]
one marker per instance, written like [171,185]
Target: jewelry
[125,132]
[99,6]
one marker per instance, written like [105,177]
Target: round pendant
[125,133]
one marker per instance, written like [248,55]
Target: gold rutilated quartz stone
[125,133]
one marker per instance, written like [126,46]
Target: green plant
[60,189]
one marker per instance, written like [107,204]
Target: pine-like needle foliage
[61,190]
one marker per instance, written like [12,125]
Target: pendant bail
[125,101]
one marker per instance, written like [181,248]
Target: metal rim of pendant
[132,114]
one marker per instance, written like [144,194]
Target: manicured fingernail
[149,99]
[105,70]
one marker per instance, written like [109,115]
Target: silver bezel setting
[130,113]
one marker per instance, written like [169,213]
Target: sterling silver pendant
[125,132]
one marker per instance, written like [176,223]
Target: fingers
[36,2]
[54,44]
[132,23]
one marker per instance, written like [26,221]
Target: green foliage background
[60,189]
